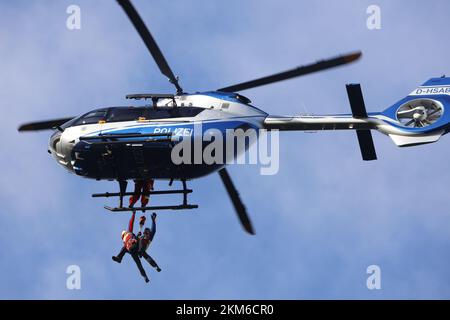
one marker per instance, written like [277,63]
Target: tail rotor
[419,113]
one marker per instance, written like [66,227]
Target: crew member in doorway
[142,189]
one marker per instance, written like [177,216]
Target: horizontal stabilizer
[358,107]
[409,141]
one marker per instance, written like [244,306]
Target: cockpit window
[69,123]
[125,114]
[92,117]
[150,113]
[119,114]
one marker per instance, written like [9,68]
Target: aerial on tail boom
[135,143]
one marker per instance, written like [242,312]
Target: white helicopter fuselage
[220,111]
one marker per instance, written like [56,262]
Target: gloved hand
[142,220]
[153,216]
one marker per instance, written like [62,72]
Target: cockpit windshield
[119,114]
[69,123]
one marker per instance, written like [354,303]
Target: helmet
[123,234]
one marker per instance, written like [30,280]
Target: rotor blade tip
[353,56]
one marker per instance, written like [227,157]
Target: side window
[188,111]
[158,113]
[117,114]
[173,112]
[125,114]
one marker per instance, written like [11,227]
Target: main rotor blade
[237,203]
[299,71]
[149,42]
[43,125]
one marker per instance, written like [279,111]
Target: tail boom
[419,118]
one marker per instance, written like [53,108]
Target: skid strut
[123,189]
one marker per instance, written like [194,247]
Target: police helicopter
[135,143]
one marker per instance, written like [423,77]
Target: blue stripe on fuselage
[180,129]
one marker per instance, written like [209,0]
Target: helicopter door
[138,155]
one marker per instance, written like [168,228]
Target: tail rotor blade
[236,200]
[358,107]
[366,145]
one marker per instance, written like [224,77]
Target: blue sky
[320,221]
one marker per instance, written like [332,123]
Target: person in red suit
[142,190]
[131,245]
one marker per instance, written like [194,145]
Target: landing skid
[185,191]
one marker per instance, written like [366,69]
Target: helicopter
[125,143]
